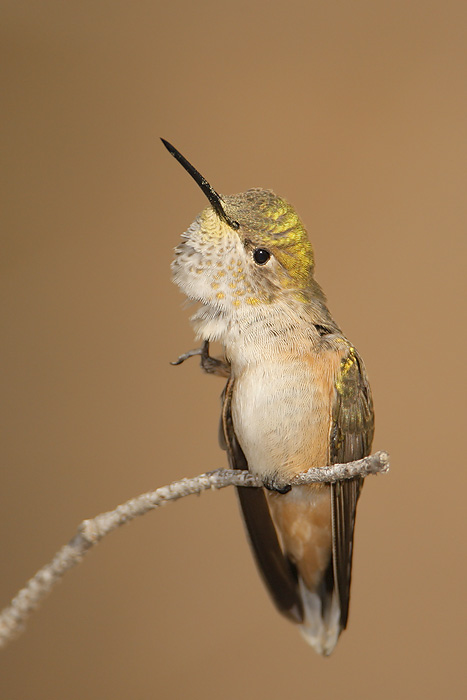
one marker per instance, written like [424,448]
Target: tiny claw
[187,355]
[211,365]
[273,485]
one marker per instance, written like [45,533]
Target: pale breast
[282,409]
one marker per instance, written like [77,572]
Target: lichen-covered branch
[90,532]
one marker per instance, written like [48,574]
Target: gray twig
[90,532]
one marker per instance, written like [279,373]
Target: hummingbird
[297,395]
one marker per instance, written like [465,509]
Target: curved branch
[90,532]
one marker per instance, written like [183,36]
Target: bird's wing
[277,571]
[351,438]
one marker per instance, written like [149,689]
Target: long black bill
[210,193]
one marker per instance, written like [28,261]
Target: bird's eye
[261,256]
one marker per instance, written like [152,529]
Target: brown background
[354,111]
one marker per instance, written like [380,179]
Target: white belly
[281,412]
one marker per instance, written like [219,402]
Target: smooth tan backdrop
[354,111]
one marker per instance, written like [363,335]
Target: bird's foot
[276,485]
[210,365]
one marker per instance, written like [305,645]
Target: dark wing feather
[277,571]
[351,438]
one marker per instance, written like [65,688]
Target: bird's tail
[303,518]
[322,616]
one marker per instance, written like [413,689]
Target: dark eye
[261,256]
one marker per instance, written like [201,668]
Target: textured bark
[90,532]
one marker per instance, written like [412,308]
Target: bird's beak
[209,191]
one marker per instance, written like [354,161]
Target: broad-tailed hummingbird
[297,395]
